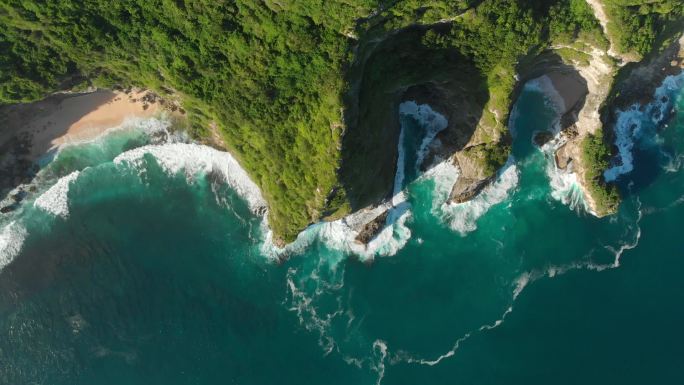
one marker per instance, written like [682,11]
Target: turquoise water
[152,276]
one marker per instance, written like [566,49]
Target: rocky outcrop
[467,188]
[476,140]
[371,229]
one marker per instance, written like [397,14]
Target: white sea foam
[303,305]
[11,241]
[444,174]
[565,186]
[55,200]
[194,159]
[544,85]
[401,165]
[462,217]
[403,356]
[627,127]
[155,128]
[150,126]
[630,124]
[432,122]
[380,351]
[341,234]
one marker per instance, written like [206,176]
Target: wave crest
[194,159]
[462,217]
[12,238]
[55,200]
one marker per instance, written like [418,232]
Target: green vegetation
[637,25]
[574,20]
[268,73]
[595,159]
[490,156]
[283,80]
[573,56]
[393,67]
[503,24]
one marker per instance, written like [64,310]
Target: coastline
[32,131]
[66,118]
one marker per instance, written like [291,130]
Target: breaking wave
[56,200]
[544,85]
[195,159]
[11,241]
[462,217]
[341,235]
[638,125]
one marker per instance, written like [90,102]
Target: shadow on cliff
[386,73]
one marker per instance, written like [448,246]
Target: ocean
[143,259]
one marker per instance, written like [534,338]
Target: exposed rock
[466,189]
[639,82]
[371,229]
[540,138]
[564,156]
[449,82]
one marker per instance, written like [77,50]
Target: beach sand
[569,87]
[30,131]
[66,118]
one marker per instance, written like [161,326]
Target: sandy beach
[570,88]
[29,131]
[66,118]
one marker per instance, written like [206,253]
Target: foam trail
[55,200]
[12,238]
[462,217]
[522,282]
[628,246]
[380,349]
[196,159]
[403,356]
[637,122]
[303,306]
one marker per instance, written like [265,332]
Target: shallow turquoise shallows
[151,276]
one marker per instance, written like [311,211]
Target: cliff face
[592,76]
[397,69]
